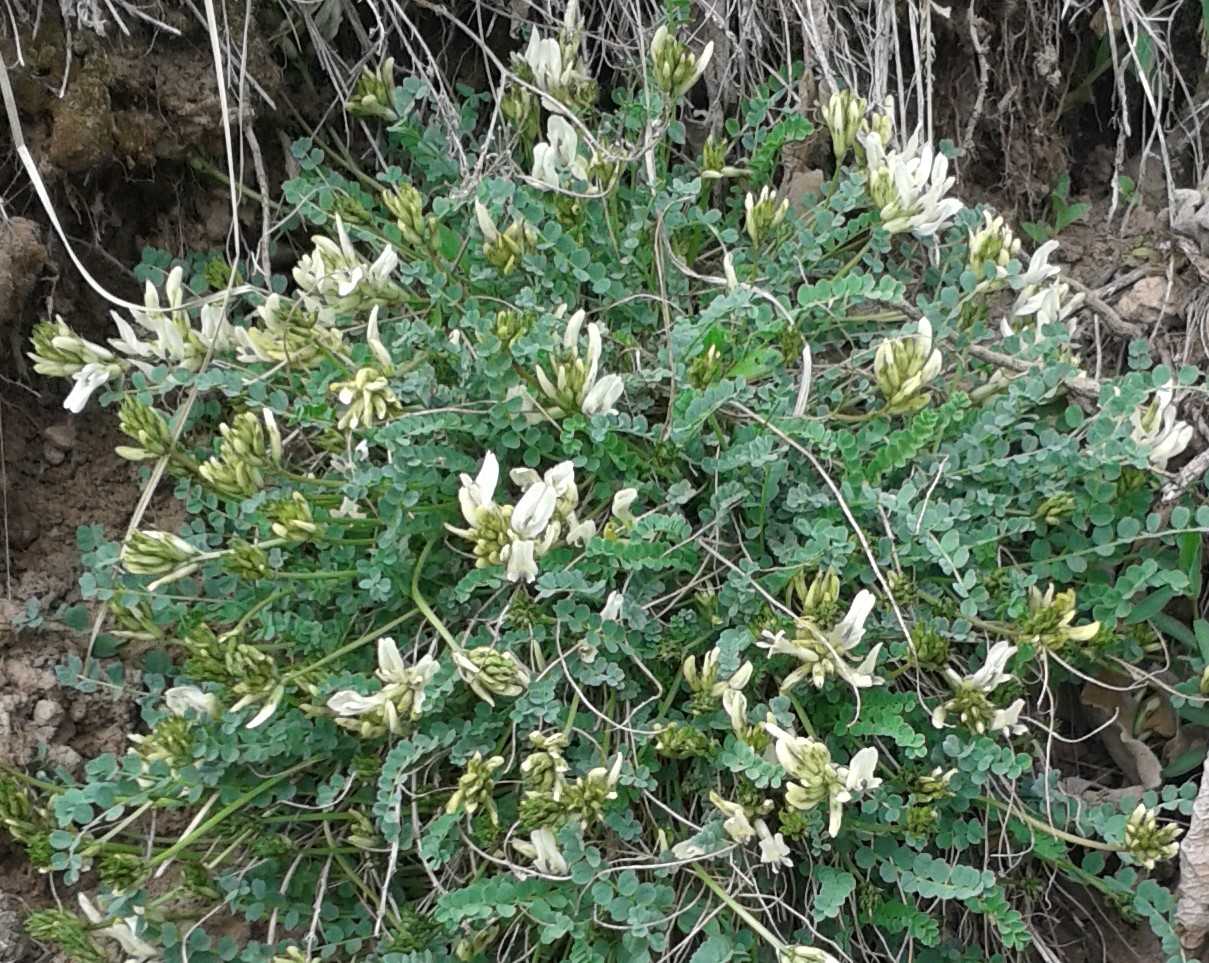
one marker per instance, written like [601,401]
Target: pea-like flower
[577,384]
[60,352]
[542,850]
[818,779]
[160,553]
[843,113]
[774,852]
[555,65]
[996,244]
[296,333]
[475,786]
[904,366]
[1157,431]
[971,701]
[121,931]
[339,277]
[909,187]
[736,824]
[826,654]
[587,796]
[1051,617]
[396,705]
[558,155]
[763,214]
[182,699]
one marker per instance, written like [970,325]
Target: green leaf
[834,888]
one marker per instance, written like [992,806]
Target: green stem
[739,911]
[352,646]
[226,811]
[1044,827]
[423,605]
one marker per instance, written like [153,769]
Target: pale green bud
[903,366]
[374,94]
[293,519]
[159,553]
[147,427]
[1148,843]
[490,673]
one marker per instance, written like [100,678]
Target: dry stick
[1085,387]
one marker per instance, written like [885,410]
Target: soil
[116,154]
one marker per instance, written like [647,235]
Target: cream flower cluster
[1042,298]
[517,536]
[826,654]
[817,779]
[555,63]
[558,155]
[577,383]
[336,274]
[398,703]
[971,703]
[167,336]
[910,186]
[1157,430]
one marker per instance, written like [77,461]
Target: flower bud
[147,427]
[490,673]
[903,366]
[159,553]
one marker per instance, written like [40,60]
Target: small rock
[53,455]
[1146,301]
[47,712]
[64,756]
[62,436]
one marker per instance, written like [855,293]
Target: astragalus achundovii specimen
[620,564]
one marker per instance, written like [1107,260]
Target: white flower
[1156,430]
[486,224]
[181,699]
[621,505]
[909,187]
[799,404]
[534,511]
[121,931]
[548,858]
[860,774]
[824,654]
[1039,269]
[478,493]
[373,339]
[735,704]
[612,609]
[1007,721]
[774,853]
[577,384]
[522,564]
[738,827]
[348,703]
[728,269]
[991,675]
[580,533]
[558,154]
[87,380]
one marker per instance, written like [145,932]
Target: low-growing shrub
[620,562]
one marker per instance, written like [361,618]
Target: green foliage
[1063,211]
[588,707]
